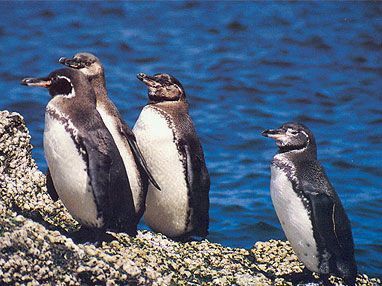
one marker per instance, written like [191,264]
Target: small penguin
[86,170]
[124,138]
[167,138]
[309,209]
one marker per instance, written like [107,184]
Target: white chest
[166,210]
[294,219]
[127,157]
[69,173]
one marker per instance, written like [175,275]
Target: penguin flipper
[199,183]
[139,159]
[109,182]
[333,226]
[50,187]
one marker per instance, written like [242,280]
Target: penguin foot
[305,278]
[188,237]
[90,236]
[131,232]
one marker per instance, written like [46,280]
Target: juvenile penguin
[86,170]
[123,137]
[167,138]
[310,211]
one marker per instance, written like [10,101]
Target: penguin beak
[147,80]
[274,133]
[72,63]
[42,82]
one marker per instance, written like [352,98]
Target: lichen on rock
[36,250]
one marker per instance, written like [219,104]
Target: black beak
[42,82]
[273,133]
[72,63]
[147,80]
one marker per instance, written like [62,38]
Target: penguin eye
[87,64]
[293,132]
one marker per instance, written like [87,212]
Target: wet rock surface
[36,249]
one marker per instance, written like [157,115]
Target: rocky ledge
[35,248]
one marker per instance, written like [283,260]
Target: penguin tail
[202,233]
[131,231]
[347,269]
[128,226]
[350,280]
[198,233]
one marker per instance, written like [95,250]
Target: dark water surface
[245,67]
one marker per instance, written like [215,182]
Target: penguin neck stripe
[62,76]
[157,99]
[307,137]
[72,93]
[291,149]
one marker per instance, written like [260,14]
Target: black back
[331,226]
[108,177]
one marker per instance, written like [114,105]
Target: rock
[35,249]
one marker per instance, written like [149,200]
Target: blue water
[245,67]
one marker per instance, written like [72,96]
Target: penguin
[124,138]
[86,170]
[168,140]
[309,209]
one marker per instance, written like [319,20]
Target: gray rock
[35,250]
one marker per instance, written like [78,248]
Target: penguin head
[87,63]
[291,136]
[64,83]
[163,87]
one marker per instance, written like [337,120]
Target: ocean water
[245,67]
